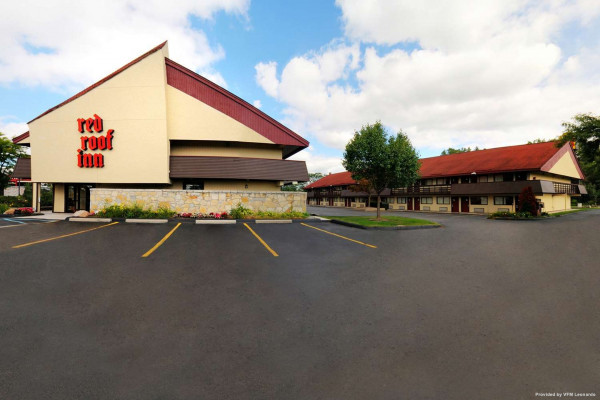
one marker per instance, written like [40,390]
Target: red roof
[100,82]
[526,157]
[339,179]
[22,136]
[229,104]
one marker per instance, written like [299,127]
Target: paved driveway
[476,309]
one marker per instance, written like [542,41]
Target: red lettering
[80,122]
[93,142]
[109,138]
[84,140]
[79,159]
[101,142]
[88,124]
[88,160]
[97,123]
[98,160]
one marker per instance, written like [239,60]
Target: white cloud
[65,45]
[485,73]
[257,103]
[266,77]
[12,129]
[317,162]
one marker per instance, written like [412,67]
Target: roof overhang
[22,169]
[20,140]
[203,167]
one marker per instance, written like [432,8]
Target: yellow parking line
[262,241]
[62,236]
[340,236]
[157,245]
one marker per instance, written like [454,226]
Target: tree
[527,201]
[538,140]
[385,161]
[451,150]
[584,131]
[9,153]
[363,186]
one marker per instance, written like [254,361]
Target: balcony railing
[438,189]
[567,188]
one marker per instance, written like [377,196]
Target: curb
[76,219]
[273,221]
[216,221]
[146,221]
[385,228]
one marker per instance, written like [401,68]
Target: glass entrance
[77,196]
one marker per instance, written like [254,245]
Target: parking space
[6,222]
[211,312]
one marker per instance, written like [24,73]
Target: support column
[36,193]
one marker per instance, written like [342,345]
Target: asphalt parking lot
[476,309]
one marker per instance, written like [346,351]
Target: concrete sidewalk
[48,215]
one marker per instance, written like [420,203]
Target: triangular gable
[564,163]
[226,102]
[100,82]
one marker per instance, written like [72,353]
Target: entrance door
[417,203]
[464,204]
[331,201]
[77,197]
[409,202]
[455,204]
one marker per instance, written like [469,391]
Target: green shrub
[240,212]
[15,201]
[3,207]
[134,211]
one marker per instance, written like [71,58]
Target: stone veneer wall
[199,201]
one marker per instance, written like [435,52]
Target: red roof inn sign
[91,142]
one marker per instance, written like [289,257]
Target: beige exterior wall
[547,177]
[565,166]
[199,201]
[223,150]
[59,198]
[555,202]
[190,119]
[133,103]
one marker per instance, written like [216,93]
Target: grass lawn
[385,221]
[574,210]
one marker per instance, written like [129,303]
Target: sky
[458,73]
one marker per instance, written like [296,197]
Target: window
[482,178]
[443,200]
[499,178]
[503,200]
[521,176]
[193,185]
[426,200]
[441,181]
[479,200]
[401,200]
[507,177]
[391,200]
[428,182]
